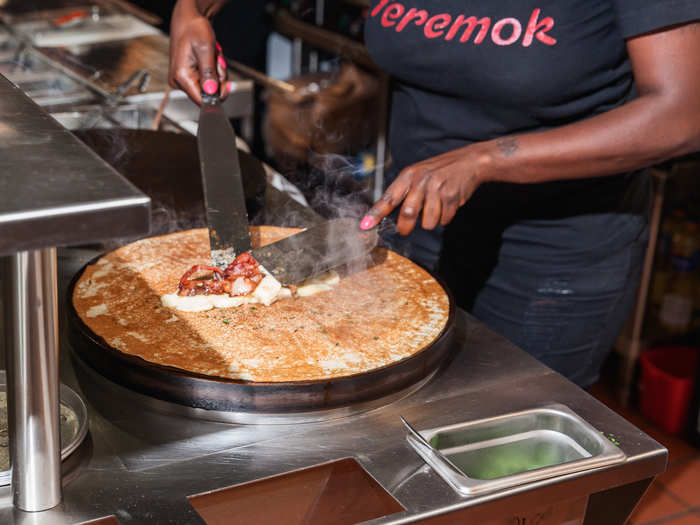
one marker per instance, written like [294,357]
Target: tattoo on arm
[508,146]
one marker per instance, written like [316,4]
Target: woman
[518,129]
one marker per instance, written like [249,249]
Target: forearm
[643,132]
[663,122]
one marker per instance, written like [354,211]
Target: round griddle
[165,166]
[222,394]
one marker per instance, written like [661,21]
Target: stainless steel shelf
[54,191]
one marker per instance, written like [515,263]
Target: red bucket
[666,387]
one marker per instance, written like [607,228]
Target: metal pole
[31,328]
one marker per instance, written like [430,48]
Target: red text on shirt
[503,32]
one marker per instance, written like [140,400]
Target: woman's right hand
[195,64]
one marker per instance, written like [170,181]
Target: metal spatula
[227,217]
[316,250]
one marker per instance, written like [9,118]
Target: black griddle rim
[173,384]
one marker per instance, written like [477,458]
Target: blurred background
[311,107]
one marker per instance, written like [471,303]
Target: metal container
[512,449]
[73,422]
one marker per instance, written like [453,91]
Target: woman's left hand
[437,187]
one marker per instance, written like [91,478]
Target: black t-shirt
[472,70]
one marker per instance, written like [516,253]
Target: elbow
[671,118]
[688,137]
[681,134]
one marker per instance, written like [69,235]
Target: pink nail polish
[210,86]
[218,47]
[221,62]
[367,222]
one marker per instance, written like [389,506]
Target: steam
[164,220]
[168,213]
[338,187]
[118,152]
[333,164]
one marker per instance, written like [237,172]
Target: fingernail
[221,61]
[218,47]
[367,222]
[210,86]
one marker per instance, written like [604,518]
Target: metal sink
[512,449]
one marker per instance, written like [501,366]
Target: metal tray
[74,424]
[248,399]
[512,449]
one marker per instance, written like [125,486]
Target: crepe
[372,318]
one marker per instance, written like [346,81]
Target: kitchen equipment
[49,88]
[316,250]
[156,460]
[129,116]
[296,94]
[428,448]
[264,80]
[86,31]
[508,450]
[18,9]
[71,196]
[340,492]
[224,199]
[259,402]
[73,425]
[105,66]
[161,109]
[139,79]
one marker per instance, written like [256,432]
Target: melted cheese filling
[268,291]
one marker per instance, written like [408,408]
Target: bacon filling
[241,277]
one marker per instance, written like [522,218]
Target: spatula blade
[316,250]
[223,186]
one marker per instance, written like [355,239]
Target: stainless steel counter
[140,465]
